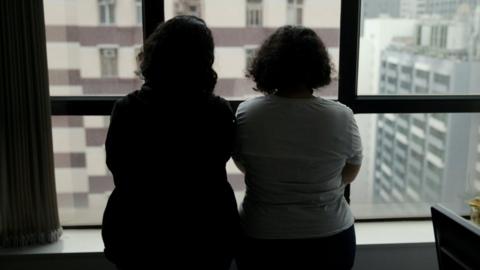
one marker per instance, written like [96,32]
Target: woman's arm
[349,172]
[354,160]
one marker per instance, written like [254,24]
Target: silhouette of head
[178,56]
[290,57]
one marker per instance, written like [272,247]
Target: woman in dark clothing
[167,146]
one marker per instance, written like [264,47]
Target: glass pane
[83,180]
[419,47]
[412,161]
[77,31]
[228,20]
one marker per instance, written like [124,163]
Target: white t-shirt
[293,151]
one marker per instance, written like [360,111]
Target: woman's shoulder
[219,104]
[218,101]
[129,99]
[334,106]
[251,103]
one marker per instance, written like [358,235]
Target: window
[188,7]
[426,42]
[419,35]
[441,83]
[83,181]
[249,55]
[436,70]
[138,12]
[78,65]
[84,84]
[295,12]
[108,62]
[87,59]
[107,11]
[410,170]
[407,134]
[254,13]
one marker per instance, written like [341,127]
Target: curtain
[28,206]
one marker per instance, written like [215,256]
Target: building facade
[428,157]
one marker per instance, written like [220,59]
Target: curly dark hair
[179,56]
[291,56]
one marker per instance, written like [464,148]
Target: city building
[376,38]
[418,156]
[444,8]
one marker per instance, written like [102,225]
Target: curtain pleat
[28,204]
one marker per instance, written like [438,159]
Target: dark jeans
[333,252]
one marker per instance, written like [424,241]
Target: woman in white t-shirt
[298,153]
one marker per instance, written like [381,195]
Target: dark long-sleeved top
[167,155]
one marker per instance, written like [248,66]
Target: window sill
[401,233]
[394,233]
[72,242]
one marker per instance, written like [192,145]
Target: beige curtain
[28,206]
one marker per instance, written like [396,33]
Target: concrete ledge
[380,245]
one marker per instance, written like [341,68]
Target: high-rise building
[445,8]
[378,8]
[375,8]
[377,36]
[412,8]
[427,157]
[440,8]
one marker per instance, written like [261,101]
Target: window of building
[443,36]
[107,11]
[295,12]
[188,7]
[254,13]
[419,35]
[406,86]
[442,117]
[108,62]
[249,55]
[441,79]
[138,12]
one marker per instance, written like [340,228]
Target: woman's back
[298,153]
[167,147]
[294,151]
[168,160]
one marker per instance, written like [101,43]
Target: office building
[419,157]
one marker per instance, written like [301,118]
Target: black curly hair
[291,56]
[178,56]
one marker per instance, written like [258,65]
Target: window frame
[153,13]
